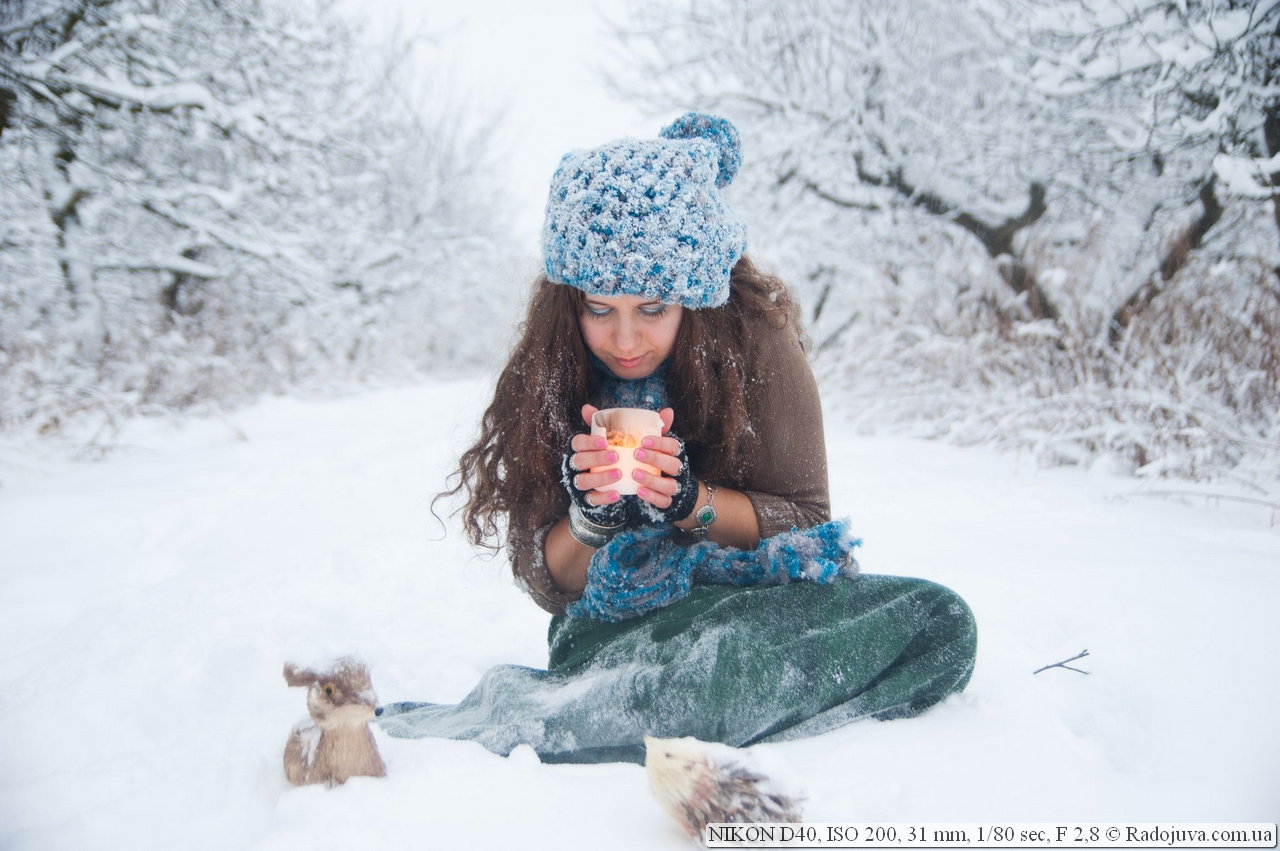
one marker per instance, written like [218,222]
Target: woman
[719,601]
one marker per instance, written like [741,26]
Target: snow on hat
[645,216]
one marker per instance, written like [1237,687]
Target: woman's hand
[667,454]
[587,451]
[671,491]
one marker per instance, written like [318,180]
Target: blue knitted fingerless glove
[646,569]
[609,514]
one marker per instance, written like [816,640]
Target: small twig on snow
[1063,664]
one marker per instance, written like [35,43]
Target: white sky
[534,62]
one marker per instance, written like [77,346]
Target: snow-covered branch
[1005,210]
[221,197]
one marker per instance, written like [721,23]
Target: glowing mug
[624,429]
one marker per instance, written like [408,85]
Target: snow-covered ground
[148,600]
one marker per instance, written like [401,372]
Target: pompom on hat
[645,217]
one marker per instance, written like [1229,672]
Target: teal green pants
[732,665]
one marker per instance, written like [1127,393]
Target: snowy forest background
[1052,225]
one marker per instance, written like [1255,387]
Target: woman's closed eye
[650,311]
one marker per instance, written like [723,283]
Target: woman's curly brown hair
[512,471]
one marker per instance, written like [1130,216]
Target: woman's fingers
[587,443]
[660,452]
[655,490]
[668,416]
[586,460]
[592,481]
[599,498]
[668,464]
[590,451]
[667,445]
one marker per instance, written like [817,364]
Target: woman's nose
[625,338]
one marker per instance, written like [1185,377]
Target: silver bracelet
[587,532]
[706,515]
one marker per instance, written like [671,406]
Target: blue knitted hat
[645,216]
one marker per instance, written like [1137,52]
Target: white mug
[625,428]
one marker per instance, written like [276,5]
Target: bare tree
[218,197]
[1194,82]
[1011,227]
[863,106]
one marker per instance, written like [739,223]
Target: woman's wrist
[690,521]
[590,532]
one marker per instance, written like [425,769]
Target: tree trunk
[1271,127]
[178,297]
[8,102]
[1172,262]
[998,240]
[1271,134]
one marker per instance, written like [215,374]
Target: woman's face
[631,334]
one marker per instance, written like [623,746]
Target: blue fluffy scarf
[647,568]
[649,392]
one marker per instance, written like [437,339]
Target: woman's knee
[949,629]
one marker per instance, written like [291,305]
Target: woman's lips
[629,363]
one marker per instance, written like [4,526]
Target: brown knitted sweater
[786,480]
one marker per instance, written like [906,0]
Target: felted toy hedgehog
[700,783]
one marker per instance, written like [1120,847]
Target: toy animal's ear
[295,676]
